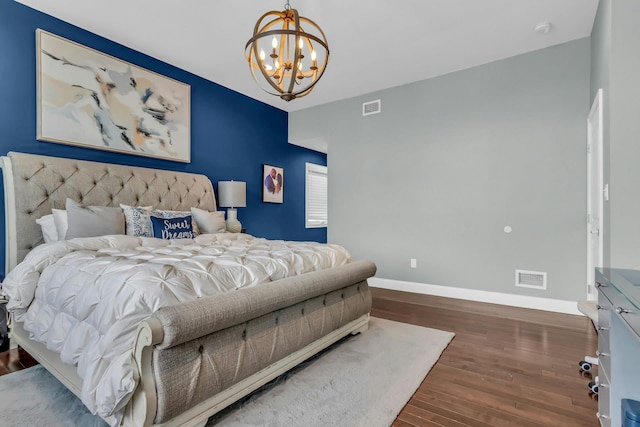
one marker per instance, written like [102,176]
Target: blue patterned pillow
[172,228]
[138,219]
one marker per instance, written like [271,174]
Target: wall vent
[531,279]
[372,107]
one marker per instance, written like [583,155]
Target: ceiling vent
[531,279]
[373,107]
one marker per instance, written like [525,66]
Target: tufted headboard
[35,184]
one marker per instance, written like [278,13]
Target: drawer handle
[601,307]
[601,416]
[600,285]
[600,353]
[621,310]
[601,328]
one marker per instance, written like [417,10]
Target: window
[316,196]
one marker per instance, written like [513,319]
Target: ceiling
[375,44]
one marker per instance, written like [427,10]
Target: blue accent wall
[232,135]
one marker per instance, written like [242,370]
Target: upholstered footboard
[196,358]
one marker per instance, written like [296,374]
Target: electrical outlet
[414,263]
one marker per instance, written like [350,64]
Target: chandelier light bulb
[314,64]
[274,42]
[262,56]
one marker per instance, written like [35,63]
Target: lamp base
[233,225]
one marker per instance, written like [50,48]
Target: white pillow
[61,222]
[209,222]
[49,230]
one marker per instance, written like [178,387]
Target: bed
[194,358]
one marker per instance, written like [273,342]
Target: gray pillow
[91,221]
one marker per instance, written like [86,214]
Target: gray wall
[624,137]
[615,67]
[452,160]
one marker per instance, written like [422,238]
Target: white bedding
[85,297]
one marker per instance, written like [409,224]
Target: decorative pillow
[209,222]
[172,228]
[175,214]
[61,222]
[91,221]
[48,226]
[138,219]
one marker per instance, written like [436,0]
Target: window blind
[316,196]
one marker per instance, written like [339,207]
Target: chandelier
[286,59]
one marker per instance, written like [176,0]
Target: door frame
[595,178]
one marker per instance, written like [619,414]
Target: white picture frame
[272,184]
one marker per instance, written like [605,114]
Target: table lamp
[232,195]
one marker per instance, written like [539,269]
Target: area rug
[363,380]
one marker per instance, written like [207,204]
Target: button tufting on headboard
[39,183]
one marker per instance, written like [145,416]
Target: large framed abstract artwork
[91,99]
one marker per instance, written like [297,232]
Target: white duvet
[85,297]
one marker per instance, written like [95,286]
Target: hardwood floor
[505,367]
[14,360]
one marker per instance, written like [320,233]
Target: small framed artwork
[272,184]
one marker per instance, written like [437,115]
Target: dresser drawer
[604,353]
[612,301]
[604,306]
[609,296]
[604,414]
[630,315]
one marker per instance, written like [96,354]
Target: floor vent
[372,107]
[531,279]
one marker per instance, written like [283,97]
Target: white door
[595,192]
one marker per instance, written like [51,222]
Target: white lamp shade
[232,194]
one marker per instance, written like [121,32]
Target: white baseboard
[536,303]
